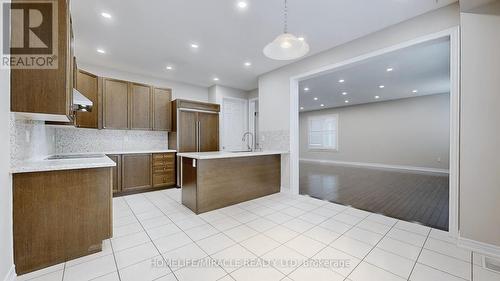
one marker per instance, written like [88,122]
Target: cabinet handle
[199,139]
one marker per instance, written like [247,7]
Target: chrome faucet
[250,148]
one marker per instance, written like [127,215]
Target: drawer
[164,163]
[162,156]
[163,170]
[163,179]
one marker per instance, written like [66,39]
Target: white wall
[274,87]
[6,248]
[480,134]
[179,90]
[411,132]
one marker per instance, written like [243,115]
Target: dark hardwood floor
[408,196]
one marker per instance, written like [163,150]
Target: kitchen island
[213,180]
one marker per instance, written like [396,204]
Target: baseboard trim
[11,275]
[380,166]
[479,247]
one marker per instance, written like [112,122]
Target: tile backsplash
[275,140]
[33,140]
[30,140]
[75,140]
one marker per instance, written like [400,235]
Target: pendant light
[286,46]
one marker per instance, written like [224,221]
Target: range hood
[81,102]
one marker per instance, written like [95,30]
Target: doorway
[453,100]
[234,124]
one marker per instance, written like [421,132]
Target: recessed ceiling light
[381,86]
[106,15]
[101,51]
[377,97]
[316,99]
[341,81]
[195,46]
[344,93]
[301,38]
[248,64]
[414,91]
[216,79]
[389,69]
[346,101]
[301,108]
[306,89]
[242,4]
[321,105]
[169,67]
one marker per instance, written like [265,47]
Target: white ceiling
[424,67]
[143,37]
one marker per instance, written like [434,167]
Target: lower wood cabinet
[135,173]
[59,216]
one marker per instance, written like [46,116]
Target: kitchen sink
[74,156]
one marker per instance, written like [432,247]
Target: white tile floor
[156,238]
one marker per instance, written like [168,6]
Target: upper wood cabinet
[140,107]
[162,109]
[129,105]
[115,104]
[47,91]
[87,84]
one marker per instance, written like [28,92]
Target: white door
[234,124]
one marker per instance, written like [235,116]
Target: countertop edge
[224,155]
[61,165]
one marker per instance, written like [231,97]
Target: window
[323,132]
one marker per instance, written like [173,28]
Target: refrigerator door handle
[198,136]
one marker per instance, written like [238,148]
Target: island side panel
[227,181]
[189,181]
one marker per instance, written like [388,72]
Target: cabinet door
[208,131]
[136,172]
[186,132]
[115,102]
[86,83]
[140,107]
[162,110]
[116,173]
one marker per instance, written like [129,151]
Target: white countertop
[126,152]
[227,154]
[44,165]
[61,164]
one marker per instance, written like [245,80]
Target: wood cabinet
[136,172]
[60,215]
[47,94]
[140,107]
[162,109]
[163,169]
[187,134]
[208,131]
[115,104]
[116,173]
[135,106]
[87,85]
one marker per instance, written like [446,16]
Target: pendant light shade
[286,46]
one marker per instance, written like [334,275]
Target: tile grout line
[151,240]
[328,245]
[182,230]
[114,258]
[375,246]
[419,253]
